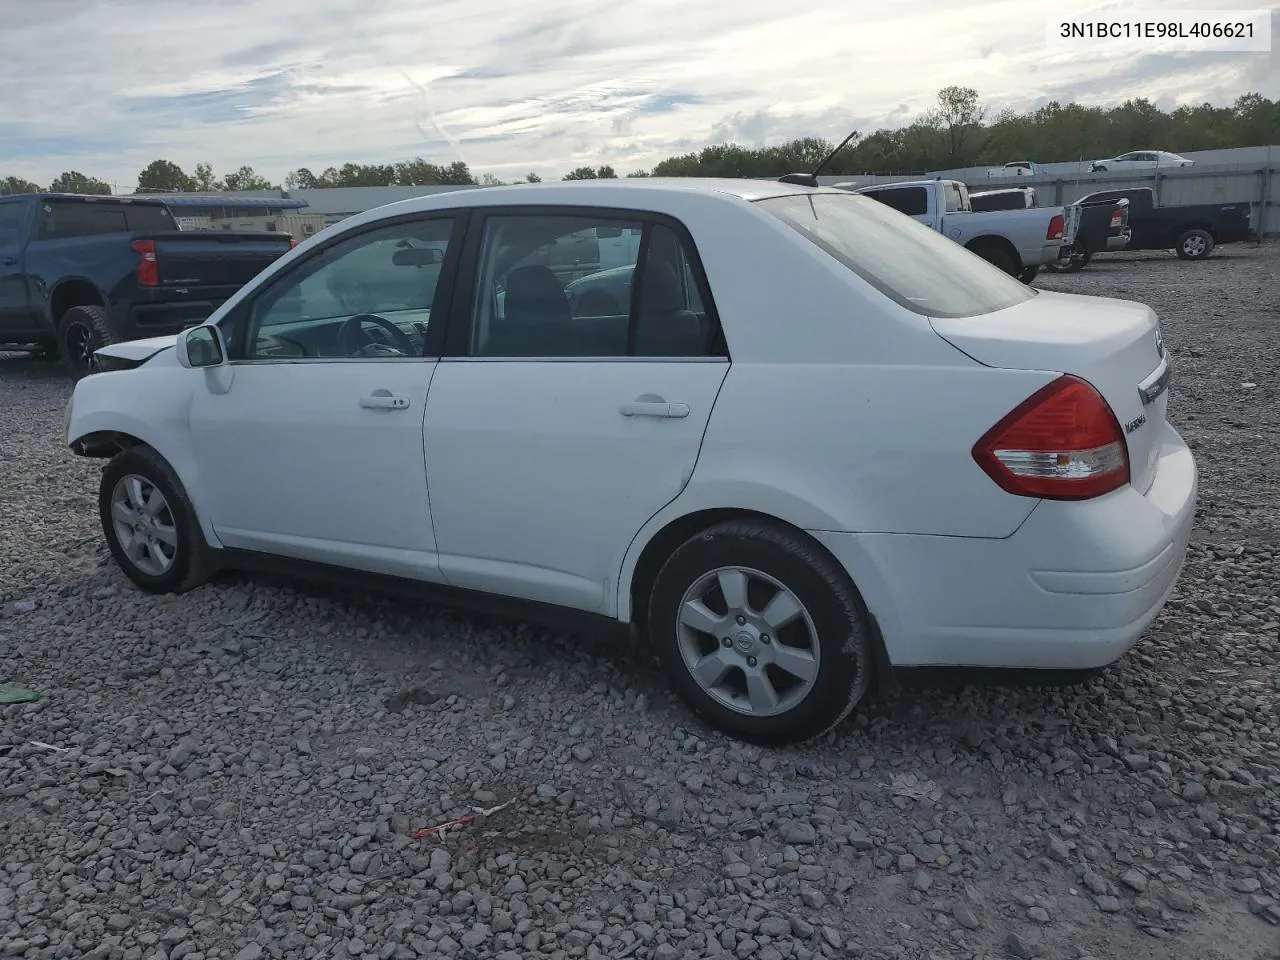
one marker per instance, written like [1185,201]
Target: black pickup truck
[77,272]
[1190,231]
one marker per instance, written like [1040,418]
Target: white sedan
[817,442]
[1141,160]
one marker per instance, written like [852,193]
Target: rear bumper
[159,311]
[1074,588]
[1120,241]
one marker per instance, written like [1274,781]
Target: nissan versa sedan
[814,442]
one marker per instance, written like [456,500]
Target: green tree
[11,185]
[73,181]
[637,173]
[489,180]
[532,177]
[959,115]
[457,174]
[245,179]
[163,176]
[591,173]
[204,180]
[301,179]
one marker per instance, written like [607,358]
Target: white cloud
[278,84]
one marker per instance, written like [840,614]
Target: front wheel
[1029,274]
[1194,245]
[150,525]
[761,633]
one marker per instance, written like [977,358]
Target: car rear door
[552,438]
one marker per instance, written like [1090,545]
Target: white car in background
[853,446]
[1140,160]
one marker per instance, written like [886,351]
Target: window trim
[235,325]
[457,345]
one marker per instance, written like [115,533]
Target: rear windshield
[905,260]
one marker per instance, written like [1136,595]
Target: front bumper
[1073,588]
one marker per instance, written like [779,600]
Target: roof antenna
[811,179]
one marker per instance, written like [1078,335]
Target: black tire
[82,330]
[191,561]
[998,257]
[1195,244]
[844,641]
[1074,264]
[1029,274]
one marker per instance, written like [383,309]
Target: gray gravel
[235,773]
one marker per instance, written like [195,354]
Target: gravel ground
[235,773]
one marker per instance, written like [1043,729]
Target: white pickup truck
[1019,242]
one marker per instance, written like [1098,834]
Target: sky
[106,86]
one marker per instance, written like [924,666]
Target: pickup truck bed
[77,273]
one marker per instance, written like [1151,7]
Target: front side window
[366,297]
[12,217]
[912,265]
[587,286]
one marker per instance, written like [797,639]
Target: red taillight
[1056,227]
[1061,443]
[148,267]
[1117,220]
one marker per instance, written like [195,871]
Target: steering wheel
[349,345]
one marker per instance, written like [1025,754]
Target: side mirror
[201,347]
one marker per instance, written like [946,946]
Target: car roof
[621,192]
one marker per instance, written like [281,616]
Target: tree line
[956,132]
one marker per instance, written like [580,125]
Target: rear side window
[910,264]
[913,201]
[62,220]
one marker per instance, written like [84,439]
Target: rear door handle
[10,262]
[384,400]
[655,408]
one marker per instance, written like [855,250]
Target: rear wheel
[1073,264]
[81,331]
[1194,245]
[761,633]
[998,257]
[150,525]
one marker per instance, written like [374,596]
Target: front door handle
[384,400]
[10,262]
[655,408]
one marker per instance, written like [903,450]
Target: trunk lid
[216,258]
[1113,344]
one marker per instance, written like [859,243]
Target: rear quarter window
[910,264]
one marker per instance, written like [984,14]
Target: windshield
[905,260]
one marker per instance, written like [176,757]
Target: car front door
[314,451]
[552,437]
[15,306]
